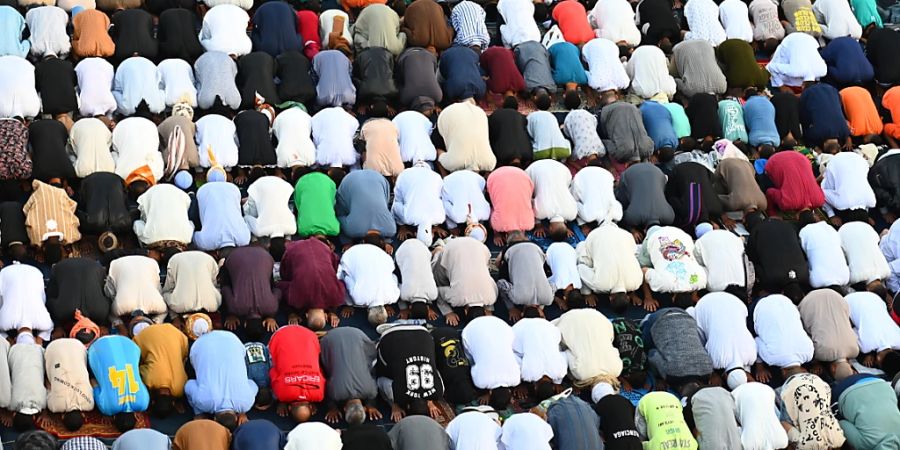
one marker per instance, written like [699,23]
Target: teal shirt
[866,12]
[679,119]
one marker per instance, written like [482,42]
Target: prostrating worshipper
[822,117]
[362,206]
[254,139]
[847,63]
[562,259]
[510,190]
[314,201]
[18,93]
[415,136]
[417,71]
[573,22]
[248,290]
[453,365]
[13,233]
[827,264]
[89,35]
[526,430]
[533,60]
[547,138]
[470,150]
[721,319]
[488,342]
[415,432]
[103,207]
[202,434]
[256,80]
[461,272]
[641,191]
[47,141]
[296,79]
[191,285]
[266,210]
[568,70]
[119,391]
[137,82]
[759,116]
[868,266]
[614,20]
[468,21]
[884,182]
[862,116]
[54,79]
[675,351]
[796,61]
[609,247]
[28,394]
[23,309]
[889,247]
[836,19]
[417,203]
[69,391]
[164,349]
[334,87]
[702,112]
[297,379]
[164,217]
[135,143]
[406,371]
[757,413]
[373,74]
[806,401]
[313,436]
[220,214]
[508,130]
[580,126]
[381,147]
[691,183]
[142,438]
[367,270]
[696,68]
[781,341]
[869,418]
[735,17]
[518,25]
[216,87]
[879,44]
[224,30]
[712,410]
[777,254]
[649,73]
[477,426]
[522,281]
[604,69]
[177,35]
[553,200]
[90,141]
[75,289]
[377,25]
[132,32]
[461,74]
[876,332]
[50,220]
[794,188]
[826,318]
[307,282]
[799,18]
[333,130]
[721,253]
[587,340]
[258,363]
[365,437]
[292,128]
[464,202]
[334,28]
[628,139]
[14,41]
[425,25]
[221,387]
[347,356]
[133,285]
[658,25]
[418,290]
[767,27]
[661,424]
[847,193]
[667,255]
[275,29]
[703,22]
[257,434]
[731,118]
[536,345]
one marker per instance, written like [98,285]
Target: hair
[682,300]
[742,146]
[138,187]
[23,422]
[73,420]
[787,143]
[831,146]
[880,290]
[542,100]
[36,440]
[355,413]
[624,50]
[874,139]
[753,219]
[124,421]
[575,299]
[665,154]
[805,218]
[770,44]
[374,239]
[256,172]
[685,144]
[511,102]
[637,378]
[793,291]
[571,100]
[264,397]
[891,364]
[531,312]
[766,151]
[254,329]
[418,311]
[475,312]
[737,291]
[301,411]
[276,248]
[337,175]
[53,252]
[500,398]
[665,44]
[227,419]
[377,315]
[619,302]
[17,251]
[297,172]
[85,336]
[417,407]
[166,253]
[558,233]
[543,390]
[856,215]
[379,109]
[163,406]
[750,92]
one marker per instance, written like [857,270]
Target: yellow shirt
[164,349]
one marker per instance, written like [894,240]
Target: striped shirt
[467,19]
[50,212]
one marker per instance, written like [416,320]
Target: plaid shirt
[83,443]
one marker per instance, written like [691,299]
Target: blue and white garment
[467,19]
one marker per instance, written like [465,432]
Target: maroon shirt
[309,276]
[248,291]
[500,65]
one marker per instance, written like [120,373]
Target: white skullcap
[200,327]
[736,378]
[138,327]
[702,228]
[601,390]
[25,337]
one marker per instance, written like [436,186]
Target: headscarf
[312,436]
[365,437]
[143,173]
[197,325]
[202,434]
[142,439]
[736,377]
[727,149]
[257,435]
[83,443]
[83,323]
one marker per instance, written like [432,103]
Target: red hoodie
[308,27]
[295,372]
[795,188]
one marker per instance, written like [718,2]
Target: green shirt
[866,13]
[666,427]
[314,198]
[679,119]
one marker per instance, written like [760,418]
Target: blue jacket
[658,122]
[462,74]
[847,64]
[759,116]
[275,29]
[822,115]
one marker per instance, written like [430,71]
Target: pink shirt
[510,190]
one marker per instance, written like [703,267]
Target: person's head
[542,100]
[23,422]
[379,109]
[85,336]
[690,388]
[831,147]
[138,187]
[878,288]
[685,144]
[73,420]
[500,398]
[575,299]
[377,315]
[665,44]
[316,319]
[637,378]
[254,329]
[228,419]
[806,217]
[354,412]
[417,407]
[515,236]
[619,302]
[665,154]
[53,250]
[17,251]
[793,291]
[276,248]
[841,369]
[124,421]
[752,219]
[374,238]
[735,378]
[787,143]
[163,406]
[301,411]
[510,102]
[264,398]
[531,312]
[624,50]
[750,92]
[543,390]
[418,311]
[738,291]
[683,300]
[474,312]
[571,100]
[558,231]
[766,151]
[770,44]
[166,253]
[36,440]
[890,364]
[856,215]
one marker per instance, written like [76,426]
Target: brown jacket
[739,179]
[426,26]
[90,37]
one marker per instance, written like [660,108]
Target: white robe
[464,190]
[137,80]
[95,80]
[536,345]
[67,373]
[267,210]
[563,261]
[18,96]
[827,264]
[780,338]
[587,337]
[890,248]
[220,216]
[595,197]
[293,130]
[605,69]
[164,215]
[836,19]
[796,60]
[135,143]
[26,368]
[415,137]
[474,430]
[417,280]
[191,283]
[90,140]
[333,130]
[218,134]
[607,263]
[313,436]
[22,300]
[875,330]
[176,79]
[225,30]
[735,18]
[519,25]
[721,253]
[526,431]
[488,341]
[722,318]
[47,25]
[674,269]
[614,20]
[543,128]
[860,243]
[553,199]
[133,284]
[368,273]
[756,411]
[845,183]
[703,22]
[648,69]
[417,197]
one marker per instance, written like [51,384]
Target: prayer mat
[95,425]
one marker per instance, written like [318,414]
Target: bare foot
[651,304]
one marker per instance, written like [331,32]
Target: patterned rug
[95,425]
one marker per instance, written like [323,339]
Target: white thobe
[721,318]
[417,280]
[563,261]
[95,80]
[592,188]
[780,338]
[607,262]
[220,216]
[488,341]
[133,284]
[225,30]
[860,243]
[90,141]
[463,191]
[18,96]
[614,20]
[845,183]
[649,72]
[474,430]
[293,130]
[519,25]
[217,134]
[836,19]
[176,78]
[703,22]
[827,264]
[191,283]
[890,248]
[721,252]
[735,18]
[417,197]
[333,130]
[526,431]
[874,328]
[47,25]
[164,215]
[553,199]
[796,60]
[313,436]
[536,346]
[5,382]
[587,336]
[756,411]
[368,273]
[22,300]
[137,80]
[605,69]
[26,367]
[267,210]
[415,137]
[135,143]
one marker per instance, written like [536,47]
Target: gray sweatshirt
[347,356]
[624,126]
